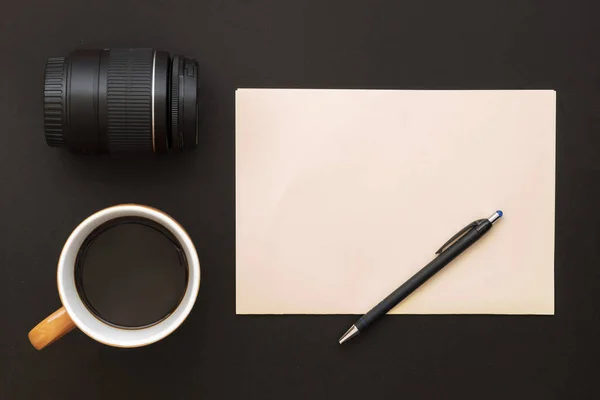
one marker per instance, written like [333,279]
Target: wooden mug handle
[55,326]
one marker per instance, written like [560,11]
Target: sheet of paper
[342,195]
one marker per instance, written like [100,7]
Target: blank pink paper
[342,195]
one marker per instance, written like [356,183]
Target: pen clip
[460,234]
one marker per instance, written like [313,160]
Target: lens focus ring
[55,92]
[129,100]
[176,139]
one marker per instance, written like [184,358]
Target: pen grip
[422,276]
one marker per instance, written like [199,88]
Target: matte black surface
[410,44]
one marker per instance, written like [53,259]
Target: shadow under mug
[74,313]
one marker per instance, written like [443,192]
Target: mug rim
[89,323]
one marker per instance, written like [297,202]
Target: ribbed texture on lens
[175,137]
[175,104]
[55,91]
[129,100]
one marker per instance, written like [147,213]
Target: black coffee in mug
[131,272]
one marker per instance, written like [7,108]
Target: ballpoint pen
[448,252]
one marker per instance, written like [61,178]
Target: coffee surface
[131,272]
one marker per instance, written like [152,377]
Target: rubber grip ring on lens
[176,137]
[129,100]
[55,94]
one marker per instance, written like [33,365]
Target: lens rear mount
[184,102]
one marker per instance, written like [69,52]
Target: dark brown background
[459,44]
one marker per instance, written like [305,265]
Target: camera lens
[121,101]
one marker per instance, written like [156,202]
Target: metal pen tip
[350,333]
[495,216]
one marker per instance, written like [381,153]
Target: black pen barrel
[423,275]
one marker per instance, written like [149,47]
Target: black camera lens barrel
[121,100]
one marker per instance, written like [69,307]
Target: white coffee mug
[74,313]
